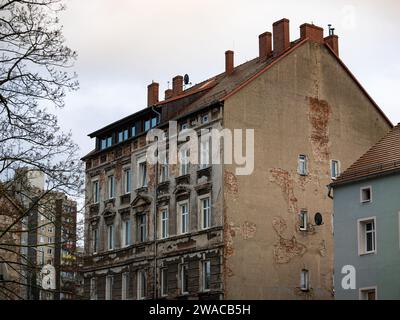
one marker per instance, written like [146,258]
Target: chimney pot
[177,86]
[281,37]
[152,94]
[229,62]
[265,45]
[333,42]
[312,32]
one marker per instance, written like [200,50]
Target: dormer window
[133,131]
[105,143]
[154,122]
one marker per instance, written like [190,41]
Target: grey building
[367,223]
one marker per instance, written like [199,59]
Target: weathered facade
[310,117]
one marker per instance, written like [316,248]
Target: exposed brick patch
[319,115]
[231,183]
[285,249]
[284,180]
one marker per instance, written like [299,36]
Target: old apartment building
[191,231]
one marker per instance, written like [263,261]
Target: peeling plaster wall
[305,104]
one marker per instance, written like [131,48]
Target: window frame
[124,286]
[180,204]
[206,276]
[141,236]
[126,233]
[333,166]
[302,158]
[362,236]
[205,142]
[305,276]
[164,277]
[184,167]
[96,191]
[93,288]
[201,210]
[95,239]
[109,287]
[141,285]
[303,217]
[164,220]
[370,194]
[364,290]
[111,187]
[127,180]
[110,237]
[184,267]
[142,176]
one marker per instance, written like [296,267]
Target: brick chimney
[228,62]
[265,45]
[152,94]
[281,36]
[312,32]
[177,85]
[333,42]
[168,94]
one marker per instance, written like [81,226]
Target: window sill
[367,253]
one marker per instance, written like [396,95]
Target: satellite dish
[318,219]
[186,78]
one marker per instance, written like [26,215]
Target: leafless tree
[35,74]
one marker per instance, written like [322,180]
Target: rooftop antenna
[331,30]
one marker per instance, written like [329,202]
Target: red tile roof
[382,158]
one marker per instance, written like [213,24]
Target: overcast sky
[123,45]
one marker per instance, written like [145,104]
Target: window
[206,273]
[204,153]
[133,131]
[184,275]
[126,233]
[126,134]
[127,181]
[164,281]
[304,280]
[302,165]
[164,174]
[103,144]
[141,285]
[367,236]
[164,223]
[146,125]
[120,136]
[204,118]
[96,192]
[49,240]
[111,187]
[154,122]
[125,286]
[110,237]
[184,160]
[205,210]
[368,293]
[109,142]
[365,194]
[50,229]
[49,251]
[142,233]
[93,289]
[303,220]
[95,239]
[142,174]
[183,218]
[109,285]
[335,169]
